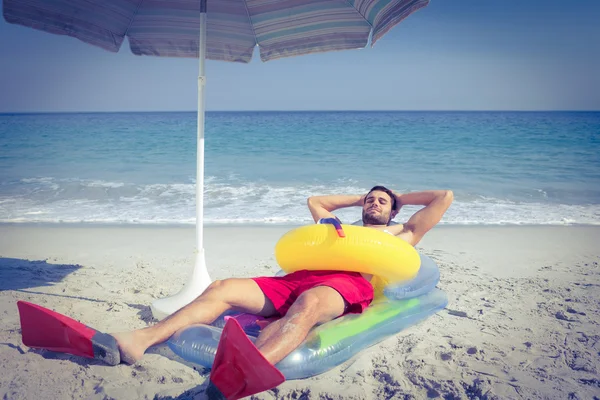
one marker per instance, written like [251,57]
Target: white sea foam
[51,200]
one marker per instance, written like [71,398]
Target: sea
[505,168]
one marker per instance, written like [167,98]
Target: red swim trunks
[284,290]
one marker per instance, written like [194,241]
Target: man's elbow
[448,196]
[314,203]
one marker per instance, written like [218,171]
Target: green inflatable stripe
[374,315]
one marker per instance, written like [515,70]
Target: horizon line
[295,111]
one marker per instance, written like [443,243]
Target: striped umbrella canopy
[226,30]
[170,28]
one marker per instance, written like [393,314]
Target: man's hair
[386,190]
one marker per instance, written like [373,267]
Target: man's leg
[315,306]
[239,294]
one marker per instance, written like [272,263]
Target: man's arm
[436,203]
[323,206]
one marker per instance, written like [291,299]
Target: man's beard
[375,219]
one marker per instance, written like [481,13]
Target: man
[302,299]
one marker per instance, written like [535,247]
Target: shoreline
[498,250]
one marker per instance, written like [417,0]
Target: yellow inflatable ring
[366,250]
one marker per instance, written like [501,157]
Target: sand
[521,323]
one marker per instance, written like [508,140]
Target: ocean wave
[232,201]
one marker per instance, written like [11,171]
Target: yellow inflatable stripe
[365,250]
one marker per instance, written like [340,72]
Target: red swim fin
[239,369]
[46,329]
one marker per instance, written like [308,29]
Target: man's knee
[221,289]
[317,307]
[216,286]
[308,302]
[241,293]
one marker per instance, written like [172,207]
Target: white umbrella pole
[200,279]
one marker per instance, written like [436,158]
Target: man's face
[377,209]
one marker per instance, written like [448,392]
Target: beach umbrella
[226,30]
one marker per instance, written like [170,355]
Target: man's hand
[336,223]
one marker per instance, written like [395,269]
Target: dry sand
[522,320]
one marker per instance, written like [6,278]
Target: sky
[450,55]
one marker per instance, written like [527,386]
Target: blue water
[504,168]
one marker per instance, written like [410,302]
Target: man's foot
[130,346]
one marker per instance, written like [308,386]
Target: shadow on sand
[17,274]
